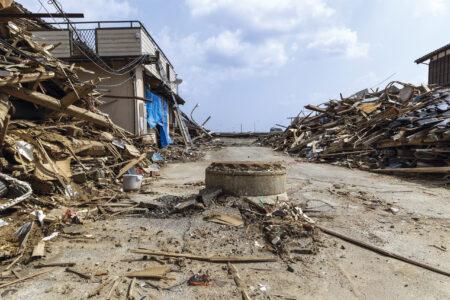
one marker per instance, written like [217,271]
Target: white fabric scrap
[48,238]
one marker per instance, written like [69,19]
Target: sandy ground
[353,202]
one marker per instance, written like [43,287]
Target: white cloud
[251,38]
[421,8]
[92,9]
[281,15]
[339,41]
[226,53]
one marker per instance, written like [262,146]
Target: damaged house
[438,66]
[138,81]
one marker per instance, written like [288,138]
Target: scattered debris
[381,251]
[39,250]
[51,236]
[200,280]
[396,129]
[222,218]
[239,282]
[3,223]
[27,277]
[82,275]
[153,272]
[214,259]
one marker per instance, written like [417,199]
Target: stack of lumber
[400,128]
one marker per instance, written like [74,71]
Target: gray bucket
[132,182]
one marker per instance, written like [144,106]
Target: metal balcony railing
[86,39]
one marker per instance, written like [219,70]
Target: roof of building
[158,86]
[431,54]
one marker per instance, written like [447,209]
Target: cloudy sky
[257,62]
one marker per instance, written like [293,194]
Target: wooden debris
[97,290]
[39,249]
[82,275]
[54,104]
[113,288]
[214,259]
[405,129]
[152,272]
[130,295]
[414,170]
[381,251]
[225,219]
[46,265]
[239,282]
[131,164]
[27,277]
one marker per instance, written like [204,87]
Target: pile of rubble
[58,151]
[402,128]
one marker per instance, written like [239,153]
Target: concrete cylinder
[247,178]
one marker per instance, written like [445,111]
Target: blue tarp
[157,115]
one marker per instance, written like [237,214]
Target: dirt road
[353,202]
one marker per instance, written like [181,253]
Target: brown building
[438,66]
[120,44]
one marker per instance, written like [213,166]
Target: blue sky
[257,62]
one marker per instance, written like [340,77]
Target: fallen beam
[315,108]
[131,164]
[28,78]
[242,286]
[381,251]
[414,170]
[69,264]
[54,104]
[27,277]
[78,93]
[5,106]
[216,259]
[82,275]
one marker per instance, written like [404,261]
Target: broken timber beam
[131,164]
[315,108]
[239,282]
[5,106]
[414,170]
[216,259]
[381,251]
[54,104]
[28,277]
[29,78]
[78,93]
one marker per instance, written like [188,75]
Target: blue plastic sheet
[157,115]
[156,157]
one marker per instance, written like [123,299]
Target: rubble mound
[402,128]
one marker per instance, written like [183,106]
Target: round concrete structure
[247,178]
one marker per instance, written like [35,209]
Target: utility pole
[241,127]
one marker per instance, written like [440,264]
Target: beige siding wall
[121,111]
[148,47]
[53,37]
[119,42]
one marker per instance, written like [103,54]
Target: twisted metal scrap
[20,186]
